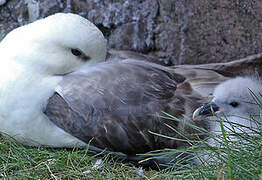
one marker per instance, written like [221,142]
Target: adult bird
[47,100]
[112,105]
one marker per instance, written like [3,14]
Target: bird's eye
[234,104]
[76,52]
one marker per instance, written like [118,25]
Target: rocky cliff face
[176,31]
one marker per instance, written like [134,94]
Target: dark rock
[177,31]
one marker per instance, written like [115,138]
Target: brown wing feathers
[116,105]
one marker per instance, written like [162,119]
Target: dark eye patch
[81,56]
[234,104]
[76,52]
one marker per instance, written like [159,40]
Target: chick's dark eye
[76,52]
[234,104]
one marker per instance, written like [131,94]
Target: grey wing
[243,66]
[202,81]
[116,104]
[204,78]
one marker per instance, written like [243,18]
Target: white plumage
[114,104]
[237,101]
[33,59]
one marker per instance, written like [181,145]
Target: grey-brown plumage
[203,78]
[116,104]
[113,105]
[245,66]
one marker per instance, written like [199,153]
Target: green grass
[238,160]
[21,162]
[239,157]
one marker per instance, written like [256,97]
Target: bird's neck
[21,87]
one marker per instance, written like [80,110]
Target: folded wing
[115,105]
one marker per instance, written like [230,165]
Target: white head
[58,44]
[234,98]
